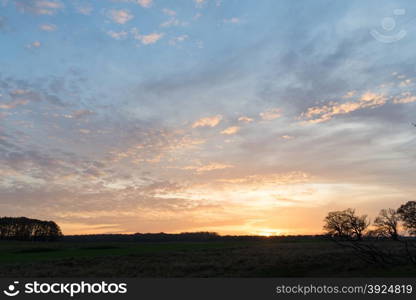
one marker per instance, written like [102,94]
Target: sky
[239,117]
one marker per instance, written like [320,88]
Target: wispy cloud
[85,9]
[207,122]
[231,130]
[169,12]
[173,22]
[13,104]
[146,39]
[245,119]
[271,114]
[35,44]
[120,16]
[78,114]
[118,35]
[318,114]
[145,3]
[208,167]
[40,7]
[151,38]
[48,27]
[404,98]
[178,39]
[200,2]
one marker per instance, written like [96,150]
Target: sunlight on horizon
[201,116]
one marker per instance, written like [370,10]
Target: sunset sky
[234,116]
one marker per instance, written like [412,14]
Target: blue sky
[231,116]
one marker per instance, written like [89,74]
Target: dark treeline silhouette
[350,230]
[178,237]
[25,229]
[346,224]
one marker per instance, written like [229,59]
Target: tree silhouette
[345,224]
[26,229]
[407,214]
[387,223]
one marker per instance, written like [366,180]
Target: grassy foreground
[265,258]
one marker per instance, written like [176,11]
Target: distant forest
[25,229]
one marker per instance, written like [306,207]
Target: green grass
[20,252]
[265,258]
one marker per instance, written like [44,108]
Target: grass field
[266,258]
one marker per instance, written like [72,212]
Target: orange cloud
[151,38]
[271,114]
[14,104]
[35,44]
[326,112]
[245,119]
[270,179]
[208,121]
[231,130]
[208,167]
[405,98]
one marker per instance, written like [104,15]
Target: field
[259,258]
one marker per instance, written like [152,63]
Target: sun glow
[268,232]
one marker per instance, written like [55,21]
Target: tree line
[26,229]
[348,225]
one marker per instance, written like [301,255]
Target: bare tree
[407,213]
[345,224]
[386,223]
[358,224]
[336,224]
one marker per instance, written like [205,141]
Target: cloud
[406,83]
[35,44]
[145,3]
[48,27]
[207,122]
[350,94]
[231,130]
[318,114]
[173,22]
[269,179]
[84,9]
[271,114]
[200,2]
[39,7]
[118,35]
[169,12]
[151,38]
[208,167]
[84,131]
[405,98]
[245,119]
[120,16]
[13,104]
[78,114]
[146,39]
[179,39]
